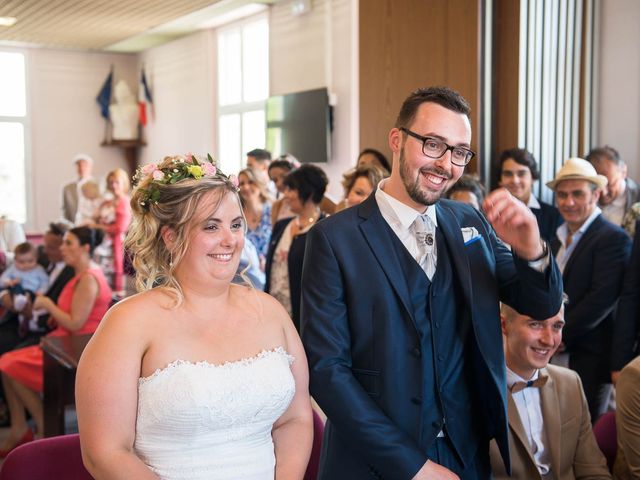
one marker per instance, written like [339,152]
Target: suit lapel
[377,233]
[583,243]
[448,224]
[515,423]
[550,406]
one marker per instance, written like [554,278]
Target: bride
[194,377]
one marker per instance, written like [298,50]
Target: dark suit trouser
[596,380]
[442,453]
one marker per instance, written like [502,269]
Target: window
[243,88]
[13,116]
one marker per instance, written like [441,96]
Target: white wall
[319,49]
[65,120]
[181,76]
[619,80]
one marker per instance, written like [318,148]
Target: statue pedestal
[131,149]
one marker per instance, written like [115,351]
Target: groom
[400,315]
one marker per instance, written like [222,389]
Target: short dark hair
[521,157]
[24,248]
[606,152]
[58,229]
[309,181]
[88,236]
[282,163]
[260,154]
[382,160]
[468,183]
[443,96]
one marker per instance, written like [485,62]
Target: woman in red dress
[81,305]
[114,218]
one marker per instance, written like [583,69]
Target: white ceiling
[115,25]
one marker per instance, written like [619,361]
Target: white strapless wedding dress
[203,421]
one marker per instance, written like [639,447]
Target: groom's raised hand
[514,223]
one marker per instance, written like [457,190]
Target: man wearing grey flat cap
[592,254]
[71,192]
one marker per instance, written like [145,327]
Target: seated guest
[80,307]
[11,234]
[256,206]
[627,465]
[467,190]
[278,169]
[24,278]
[304,189]
[15,335]
[550,432]
[518,171]
[359,183]
[371,156]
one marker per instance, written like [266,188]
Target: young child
[91,201]
[24,277]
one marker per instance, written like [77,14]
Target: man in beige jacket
[550,434]
[627,464]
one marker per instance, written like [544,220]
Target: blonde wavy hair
[176,208]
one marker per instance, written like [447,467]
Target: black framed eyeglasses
[435,148]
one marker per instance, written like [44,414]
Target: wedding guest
[627,463]
[211,381]
[71,197]
[80,307]
[467,190]
[371,156]
[359,183]
[278,169]
[256,206]
[114,218]
[304,189]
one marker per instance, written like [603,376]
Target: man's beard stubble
[412,185]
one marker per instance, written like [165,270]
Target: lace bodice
[205,421]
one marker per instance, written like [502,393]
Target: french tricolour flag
[144,98]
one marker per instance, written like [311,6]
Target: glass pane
[12,182]
[12,85]
[229,72]
[253,130]
[255,61]
[230,156]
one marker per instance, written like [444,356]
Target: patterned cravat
[537,383]
[425,232]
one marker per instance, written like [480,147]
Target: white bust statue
[124,113]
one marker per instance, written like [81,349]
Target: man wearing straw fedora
[592,254]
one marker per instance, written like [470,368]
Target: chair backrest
[314,460]
[46,459]
[605,432]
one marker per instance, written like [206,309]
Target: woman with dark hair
[80,307]
[371,156]
[278,169]
[304,189]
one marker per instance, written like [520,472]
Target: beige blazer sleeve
[627,464]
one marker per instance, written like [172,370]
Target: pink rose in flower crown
[189,157]
[158,174]
[208,168]
[149,168]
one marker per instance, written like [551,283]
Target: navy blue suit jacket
[363,346]
[549,219]
[593,280]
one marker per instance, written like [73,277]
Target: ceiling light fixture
[7,21]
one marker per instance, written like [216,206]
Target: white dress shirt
[400,217]
[564,252]
[527,402]
[614,212]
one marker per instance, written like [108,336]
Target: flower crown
[180,168]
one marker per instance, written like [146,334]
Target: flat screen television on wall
[300,124]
